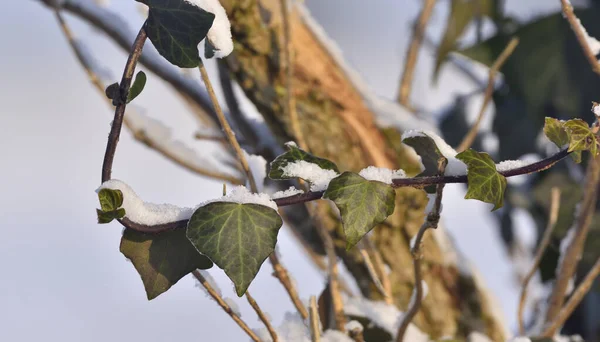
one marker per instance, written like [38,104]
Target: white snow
[241,194]
[294,329]
[219,34]
[146,213]
[455,167]
[592,42]
[520,339]
[287,193]
[258,167]
[381,174]
[211,281]
[476,336]
[596,109]
[317,177]
[510,165]
[354,325]
[233,306]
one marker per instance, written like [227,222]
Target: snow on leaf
[362,204]
[218,43]
[176,27]
[238,237]
[161,259]
[484,182]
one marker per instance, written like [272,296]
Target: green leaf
[581,137]
[110,199]
[462,13]
[108,216]
[484,182]
[295,154]
[555,131]
[176,27]
[161,259]
[430,154]
[237,237]
[362,204]
[113,92]
[137,87]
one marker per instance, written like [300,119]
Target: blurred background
[63,276]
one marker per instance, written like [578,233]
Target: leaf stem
[115,130]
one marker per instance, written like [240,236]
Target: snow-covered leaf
[176,27]
[362,204]
[137,86]
[161,259]
[484,182]
[238,237]
[430,154]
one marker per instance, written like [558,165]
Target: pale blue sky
[63,276]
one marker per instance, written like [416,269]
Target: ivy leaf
[108,216]
[484,182]
[362,204]
[555,131]
[110,199]
[176,27]
[581,137]
[462,13]
[237,237]
[161,259]
[138,86]
[430,154]
[295,154]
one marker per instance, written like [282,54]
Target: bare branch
[413,52]
[374,275]
[574,301]
[262,316]
[582,36]
[432,220]
[554,207]
[215,295]
[380,269]
[315,331]
[281,273]
[489,91]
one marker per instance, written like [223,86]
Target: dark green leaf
[176,27]
[108,216]
[484,182]
[137,87]
[110,199]
[555,131]
[161,259]
[362,204]
[113,92]
[237,237]
[430,155]
[295,154]
[581,137]
[462,13]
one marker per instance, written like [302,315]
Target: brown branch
[226,127]
[432,220]
[368,263]
[566,269]
[489,91]
[417,182]
[575,23]
[215,295]
[288,51]
[413,52]
[281,273]
[379,266]
[554,207]
[574,301]
[315,330]
[121,100]
[262,316]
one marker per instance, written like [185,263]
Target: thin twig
[227,128]
[489,91]
[413,52]
[416,182]
[574,301]
[262,316]
[281,273]
[374,275]
[315,330]
[380,269]
[582,37]
[215,295]
[433,218]
[288,51]
[583,220]
[554,207]
[115,130]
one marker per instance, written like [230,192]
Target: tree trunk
[340,127]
